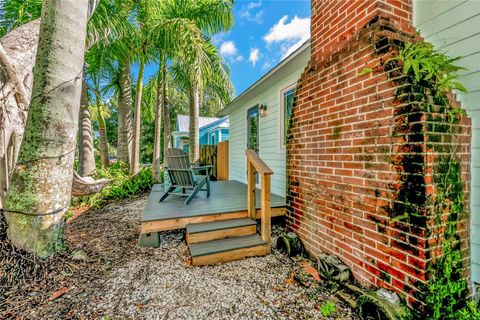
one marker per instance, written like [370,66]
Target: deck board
[226,196]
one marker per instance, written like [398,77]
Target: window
[253,128]
[212,138]
[288,97]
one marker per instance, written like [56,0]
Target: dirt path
[119,280]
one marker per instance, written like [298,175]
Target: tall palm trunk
[167,133]
[102,130]
[157,133]
[135,160]
[125,116]
[86,162]
[194,141]
[42,179]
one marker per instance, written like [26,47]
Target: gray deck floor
[225,196]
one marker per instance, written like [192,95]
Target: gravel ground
[122,281]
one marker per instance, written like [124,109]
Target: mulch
[104,275]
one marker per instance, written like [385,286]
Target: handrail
[259,164]
[256,164]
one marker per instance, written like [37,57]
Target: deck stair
[222,241]
[234,239]
[208,231]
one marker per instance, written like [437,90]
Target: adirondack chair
[184,176]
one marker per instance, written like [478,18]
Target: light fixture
[263,110]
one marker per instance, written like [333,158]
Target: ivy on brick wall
[427,78]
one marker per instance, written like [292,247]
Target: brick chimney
[359,159]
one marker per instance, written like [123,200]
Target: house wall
[361,159]
[270,150]
[224,135]
[453,26]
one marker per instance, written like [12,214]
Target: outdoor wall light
[263,110]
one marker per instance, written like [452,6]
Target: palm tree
[86,156]
[212,77]
[144,12]
[98,73]
[39,194]
[125,115]
[108,23]
[180,29]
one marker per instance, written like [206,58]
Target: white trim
[281,110]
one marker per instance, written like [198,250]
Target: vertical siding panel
[452,26]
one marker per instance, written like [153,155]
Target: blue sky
[265,31]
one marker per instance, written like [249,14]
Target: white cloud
[291,35]
[266,65]
[253,5]
[254,56]
[228,48]
[288,50]
[237,58]
[251,12]
[297,28]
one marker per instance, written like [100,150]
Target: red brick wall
[347,151]
[336,21]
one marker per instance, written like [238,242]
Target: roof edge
[225,111]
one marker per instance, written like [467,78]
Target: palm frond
[18,12]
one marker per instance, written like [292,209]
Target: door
[253,129]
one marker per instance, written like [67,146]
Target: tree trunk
[102,130]
[19,48]
[157,134]
[167,133]
[194,141]
[42,179]
[135,163]
[125,117]
[86,161]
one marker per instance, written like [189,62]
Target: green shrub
[328,308]
[121,185]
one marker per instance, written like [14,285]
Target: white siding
[270,150]
[454,26]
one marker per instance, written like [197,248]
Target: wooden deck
[228,200]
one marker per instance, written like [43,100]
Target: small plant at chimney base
[328,308]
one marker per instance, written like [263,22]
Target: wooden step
[219,251]
[208,231]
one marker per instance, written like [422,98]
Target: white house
[454,27]
[264,108]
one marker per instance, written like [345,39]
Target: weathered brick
[347,147]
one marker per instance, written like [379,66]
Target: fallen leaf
[58,293]
[291,278]
[188,262]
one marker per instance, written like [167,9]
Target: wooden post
[252,210]
[222,161]
[266,211]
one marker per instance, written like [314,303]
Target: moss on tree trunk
[42,178]
[125,115]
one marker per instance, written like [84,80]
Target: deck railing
[256,164]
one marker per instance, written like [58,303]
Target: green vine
[427,78]
[432,76]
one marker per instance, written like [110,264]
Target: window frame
[247,111]
[282,142]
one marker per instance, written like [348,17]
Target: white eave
[305,46]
